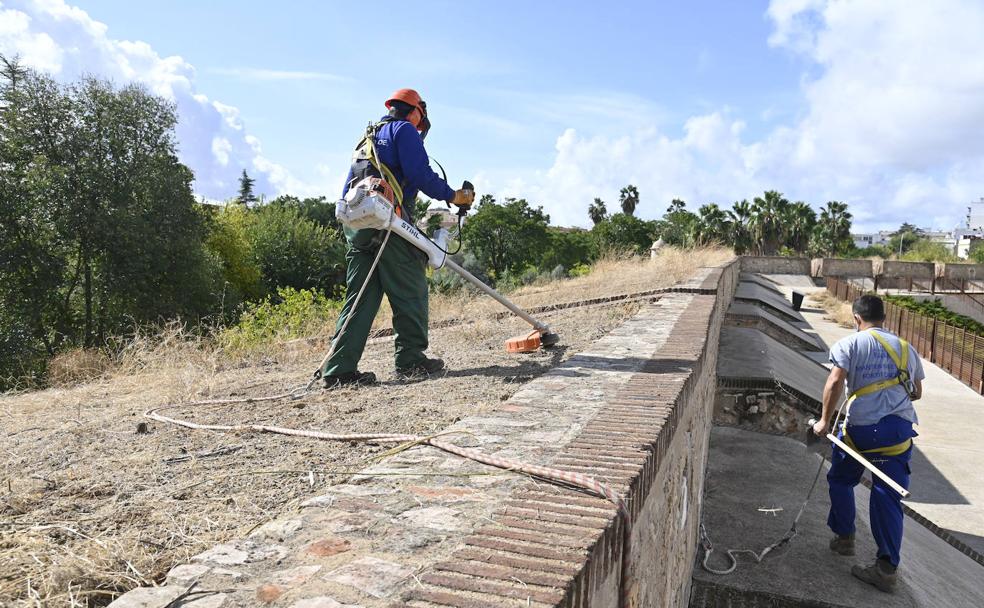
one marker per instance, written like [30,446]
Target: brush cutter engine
[366,206]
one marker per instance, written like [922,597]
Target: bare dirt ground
[89,507]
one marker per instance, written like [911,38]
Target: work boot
[355,378]
[881,574]
[424,369]
[842,545]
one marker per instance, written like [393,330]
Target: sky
[876,103]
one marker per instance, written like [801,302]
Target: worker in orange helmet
[399,145]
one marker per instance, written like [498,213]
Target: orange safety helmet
[412,98]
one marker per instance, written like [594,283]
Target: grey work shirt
[866,362]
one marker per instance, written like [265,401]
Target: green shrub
[291,314]
[293,251]
[445,280]
[579,270]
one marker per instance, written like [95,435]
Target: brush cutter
[366,207]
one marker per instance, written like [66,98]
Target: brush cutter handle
[470,189]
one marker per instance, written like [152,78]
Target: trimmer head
[531,342]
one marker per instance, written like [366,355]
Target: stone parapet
[423,528]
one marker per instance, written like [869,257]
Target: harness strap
[888,450]
[901,361]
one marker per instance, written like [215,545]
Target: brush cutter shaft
[501,299]
[362,209]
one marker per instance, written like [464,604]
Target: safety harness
[901,361]
[366,165]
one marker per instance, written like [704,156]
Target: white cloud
[891,123]
[36,49]
[63,40]
[276,75]
[221,147]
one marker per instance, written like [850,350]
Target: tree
[568,248]
[433,223]
[905,238]
[712,226]
[800,221]
[832,234]
[926,250]
[597,211]
[628,198]
[506,237]
[246,195]
[739,232]
[317,209]
[229,239]
[98,226]
[768,215]
[420,208]
[677,225]
[625,233]
[292,251]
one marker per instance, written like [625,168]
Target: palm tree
[629,198]
[712,227]
[833,230]
[597,211]
[800,220]
[739,232]
[768,213]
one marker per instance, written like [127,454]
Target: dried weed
[840,311]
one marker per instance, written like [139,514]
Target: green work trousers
[401,276]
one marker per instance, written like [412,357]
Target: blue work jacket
[401,148]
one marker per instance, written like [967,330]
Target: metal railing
[956,350]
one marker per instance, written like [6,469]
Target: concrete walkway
[755,486]
[948,462]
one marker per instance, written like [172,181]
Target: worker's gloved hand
[820,428]
[463,197]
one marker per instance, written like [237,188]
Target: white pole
[864,461]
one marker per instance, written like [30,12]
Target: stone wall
[959,272]
[908,270]
[835,267]
[775,265]
[424,528]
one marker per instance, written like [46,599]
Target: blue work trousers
[885,507]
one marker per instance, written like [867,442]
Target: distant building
[864,240]
[975,215]
[449,220]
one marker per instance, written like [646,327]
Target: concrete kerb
[467,535]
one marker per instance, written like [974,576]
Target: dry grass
[840,311]
[89,508]
[76,366]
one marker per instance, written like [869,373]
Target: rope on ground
[550,474]
[732,554]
